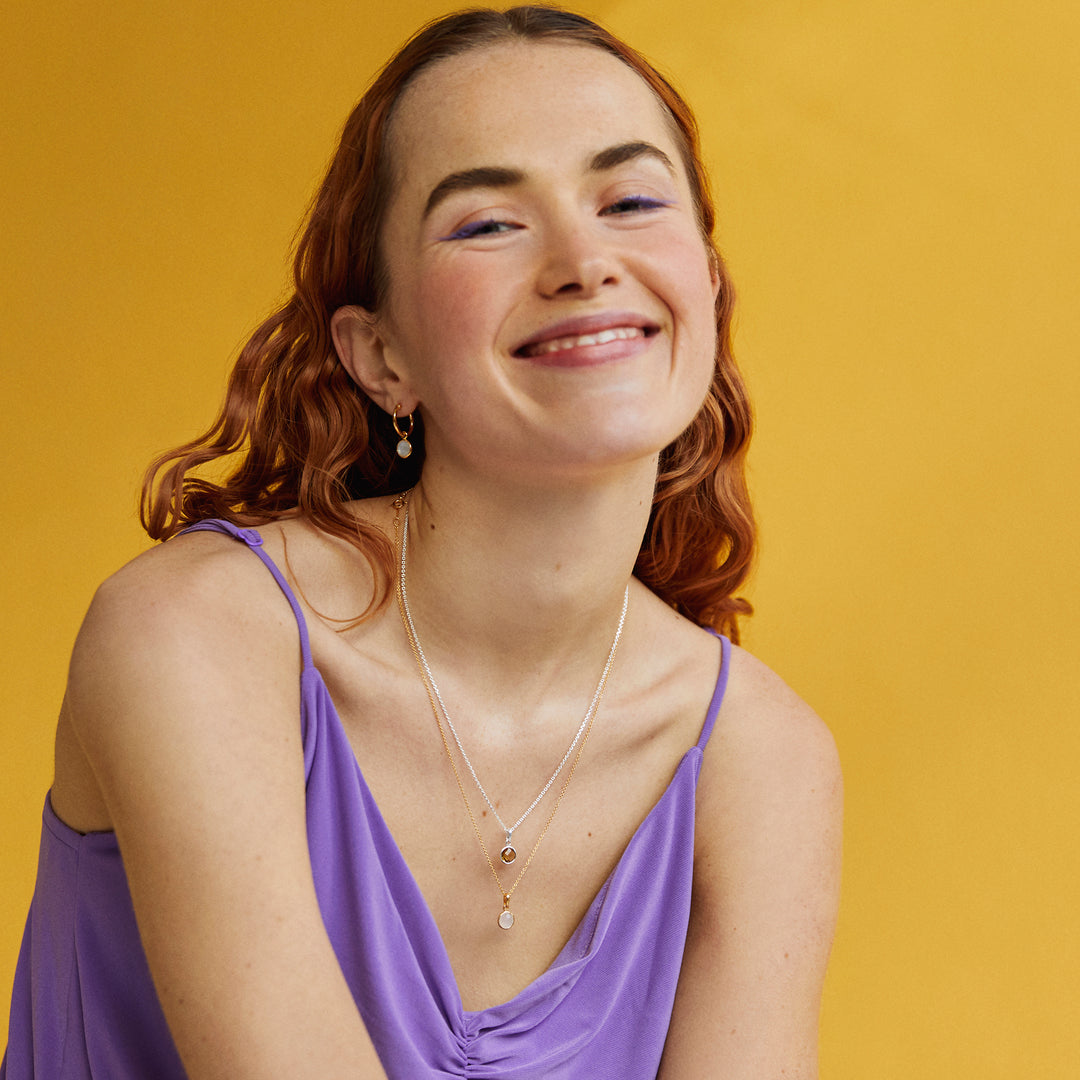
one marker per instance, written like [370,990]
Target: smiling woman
[535,817]
[539,208]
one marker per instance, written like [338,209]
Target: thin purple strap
[718,693]
[254,541]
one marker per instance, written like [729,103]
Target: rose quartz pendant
[506,916]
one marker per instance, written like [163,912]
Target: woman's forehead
[520,99]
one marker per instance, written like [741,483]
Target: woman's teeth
[601,337]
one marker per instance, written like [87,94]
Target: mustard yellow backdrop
[898,201]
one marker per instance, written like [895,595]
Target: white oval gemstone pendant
[404,448]
[506,918]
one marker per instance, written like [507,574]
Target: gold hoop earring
[404,447]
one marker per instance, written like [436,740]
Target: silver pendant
[509,852]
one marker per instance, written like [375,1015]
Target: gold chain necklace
[508,854]
[506,916]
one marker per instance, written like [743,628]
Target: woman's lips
[585,342]
[602,337]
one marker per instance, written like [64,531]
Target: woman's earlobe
[363,353]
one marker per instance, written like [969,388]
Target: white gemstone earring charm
[404,447]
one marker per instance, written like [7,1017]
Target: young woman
[418,756]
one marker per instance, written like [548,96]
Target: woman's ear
[364,355]
[714,272]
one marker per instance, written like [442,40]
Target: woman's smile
[589,340]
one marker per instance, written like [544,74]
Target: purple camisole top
[84,1004]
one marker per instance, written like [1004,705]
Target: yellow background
[899,203]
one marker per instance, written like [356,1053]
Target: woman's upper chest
[447,802]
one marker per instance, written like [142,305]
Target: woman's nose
[575,263]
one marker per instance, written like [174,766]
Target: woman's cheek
[463,301]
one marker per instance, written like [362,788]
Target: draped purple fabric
[84,1004]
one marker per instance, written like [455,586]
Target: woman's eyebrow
[628,151]
[495,176]
[484,176]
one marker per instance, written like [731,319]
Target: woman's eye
[634,204]
[489,227]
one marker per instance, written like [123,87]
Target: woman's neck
[523,583]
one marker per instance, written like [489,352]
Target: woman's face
[550,301]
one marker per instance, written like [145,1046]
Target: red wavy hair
[309,439]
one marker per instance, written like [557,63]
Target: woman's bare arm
[184,696]
[766,883]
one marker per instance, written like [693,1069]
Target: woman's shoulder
[208,583]
[772,782]
[199,608]
[211,574]
[183,572]
[759,699]
[766,872]
[172,647]
[763,731]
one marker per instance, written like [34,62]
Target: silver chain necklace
[508,853]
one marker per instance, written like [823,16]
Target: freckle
[483,813]
[785,956]
[590,834]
